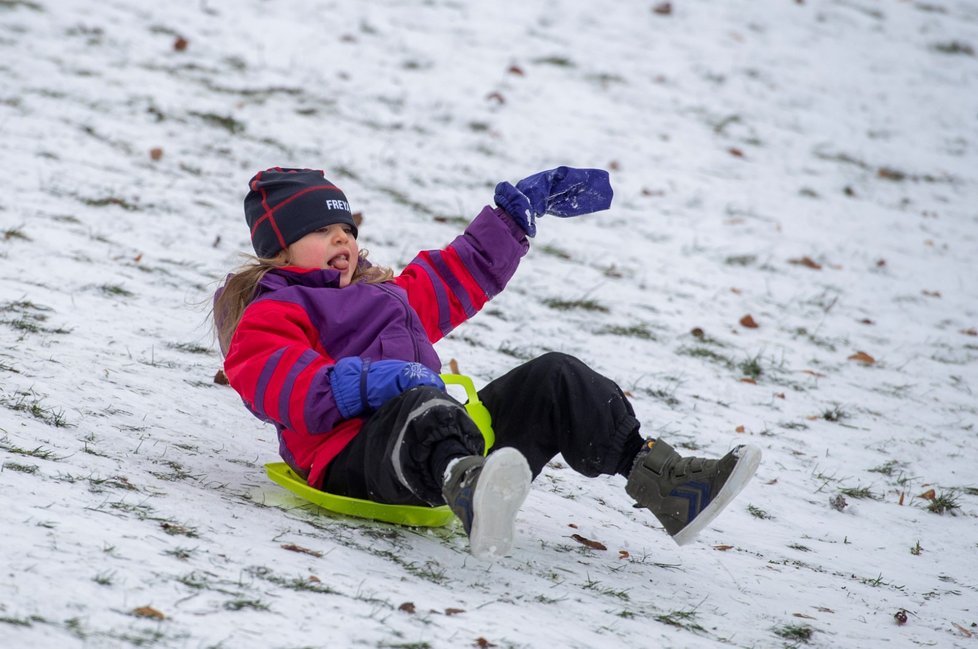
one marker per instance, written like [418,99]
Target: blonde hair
[240,287]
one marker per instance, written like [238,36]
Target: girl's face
[330,247]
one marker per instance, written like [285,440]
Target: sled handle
[477,411]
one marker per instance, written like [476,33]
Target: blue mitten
[360,385]
[563,192]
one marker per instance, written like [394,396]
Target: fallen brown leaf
[748,379]
[663,9]
[180,44]
[221,378]
[803,616]
[453,366]
[779,395]
[454,611]
[594,545]
[292,547]
[623,554]
[740,429]
[807,262]
[723,548]
[517,70]
[496,97]
[407,607]
[862,357]
[735,152]
[697,332]
[155,153]
[930,494]
[931,293]
[482,642]
[970,332]
[965,632]
[749,322]
[149,612]
[813,373]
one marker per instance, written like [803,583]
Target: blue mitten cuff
[347,380]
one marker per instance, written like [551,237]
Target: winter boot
[687,493]
[486,494]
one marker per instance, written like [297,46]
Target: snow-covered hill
[811,164]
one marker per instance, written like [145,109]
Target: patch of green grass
[859,492]
[946,501]
[21,621]
[20,468]
[520,353]
[835,413]
[27,4]
[104,578]
[666,396]
[954,47]
[757,512]
[401,198]
[740,260]
[301,584]
[751,367]
[554,251]
[584,304]
[681,619]
[115,290]
[107,201]
[795,632]
[793,425]
[558,61]
[39,452]
[181,553]
[15,233]
[888,468]
[706,354]
[31,404]
[226,122]
[190,348]
[640,331]
[240,604]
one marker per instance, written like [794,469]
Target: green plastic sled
[411,515]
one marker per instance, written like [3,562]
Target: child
[337,354]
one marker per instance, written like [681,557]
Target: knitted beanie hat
[285,205]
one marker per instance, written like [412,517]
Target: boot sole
[748,459]
[503,486]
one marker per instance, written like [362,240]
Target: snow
[748,141]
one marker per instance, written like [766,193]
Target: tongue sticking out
[340,262]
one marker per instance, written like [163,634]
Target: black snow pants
[549,405]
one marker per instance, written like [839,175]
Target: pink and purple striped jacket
[301,322]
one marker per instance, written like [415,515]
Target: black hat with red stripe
[285,205]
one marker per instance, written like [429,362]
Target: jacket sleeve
[446,287]
[279,368]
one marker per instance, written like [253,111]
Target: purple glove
[563,192]
[360,385]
